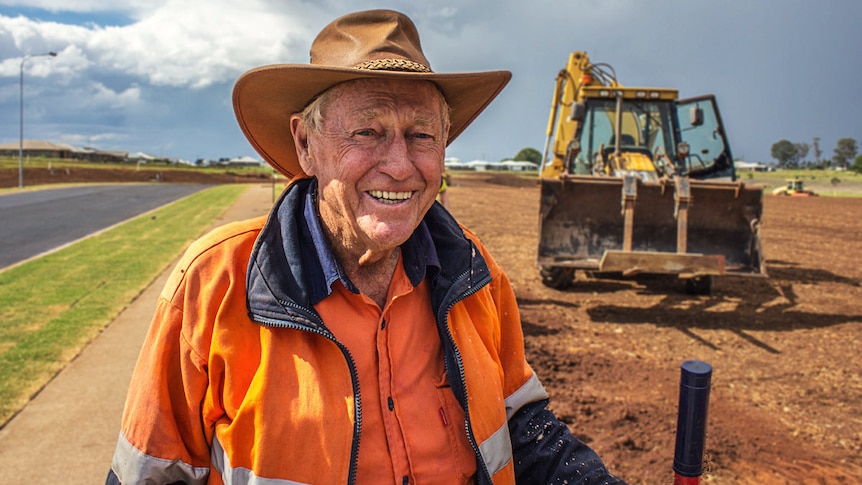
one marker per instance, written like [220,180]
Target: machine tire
[699,286]
[558,278]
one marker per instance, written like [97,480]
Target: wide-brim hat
[363,45]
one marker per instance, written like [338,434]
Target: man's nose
[395,158]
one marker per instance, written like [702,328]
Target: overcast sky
[156,75]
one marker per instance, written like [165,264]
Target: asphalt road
[35,222]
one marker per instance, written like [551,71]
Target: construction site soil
[786,386]
[785,350]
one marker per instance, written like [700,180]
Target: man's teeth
[390,197]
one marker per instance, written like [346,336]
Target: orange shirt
[413,429]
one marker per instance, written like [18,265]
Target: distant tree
[817,151]
[845,151]
[786,153]
[857,164]
[801,152]
[529,155]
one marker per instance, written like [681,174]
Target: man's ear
[300,139]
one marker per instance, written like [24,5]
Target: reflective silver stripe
[531,391]
[497,450]
[239,476]
[133,466]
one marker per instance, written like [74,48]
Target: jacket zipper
[354,378]
[442,320]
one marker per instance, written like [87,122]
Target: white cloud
[102,95]
[179,43]
[182,44]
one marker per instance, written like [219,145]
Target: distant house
[242,162]
[37,148]
[46,149]
[751,166]
[520,166]
[95,155]
[455,164]
[482,165]
[142,157]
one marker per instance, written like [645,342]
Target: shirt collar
[418,254]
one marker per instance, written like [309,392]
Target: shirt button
[390,403]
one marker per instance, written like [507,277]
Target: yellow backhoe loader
[635,181]
[794,188]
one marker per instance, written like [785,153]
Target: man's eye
[367,132]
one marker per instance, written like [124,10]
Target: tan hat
[371,44]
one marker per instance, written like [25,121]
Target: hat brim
[265,98]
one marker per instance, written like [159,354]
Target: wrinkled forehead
[364,94]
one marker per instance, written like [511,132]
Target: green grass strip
[52,306]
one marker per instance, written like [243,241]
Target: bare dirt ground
[786,386]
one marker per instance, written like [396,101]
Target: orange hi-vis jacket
[240,381]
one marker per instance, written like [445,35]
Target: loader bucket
[675,226]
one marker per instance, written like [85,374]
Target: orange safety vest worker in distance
[240,380]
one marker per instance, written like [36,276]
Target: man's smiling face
[378,158]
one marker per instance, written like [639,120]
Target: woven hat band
[393,65]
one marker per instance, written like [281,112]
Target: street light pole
[21,127]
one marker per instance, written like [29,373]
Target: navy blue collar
[418,254]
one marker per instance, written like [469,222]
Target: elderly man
[359,334]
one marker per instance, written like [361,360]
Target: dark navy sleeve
[112,479]
[545,452]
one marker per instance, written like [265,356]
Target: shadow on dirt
[737,304]
[683,312]
[788,271]
[533,330]
[510,181]
[541,329]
